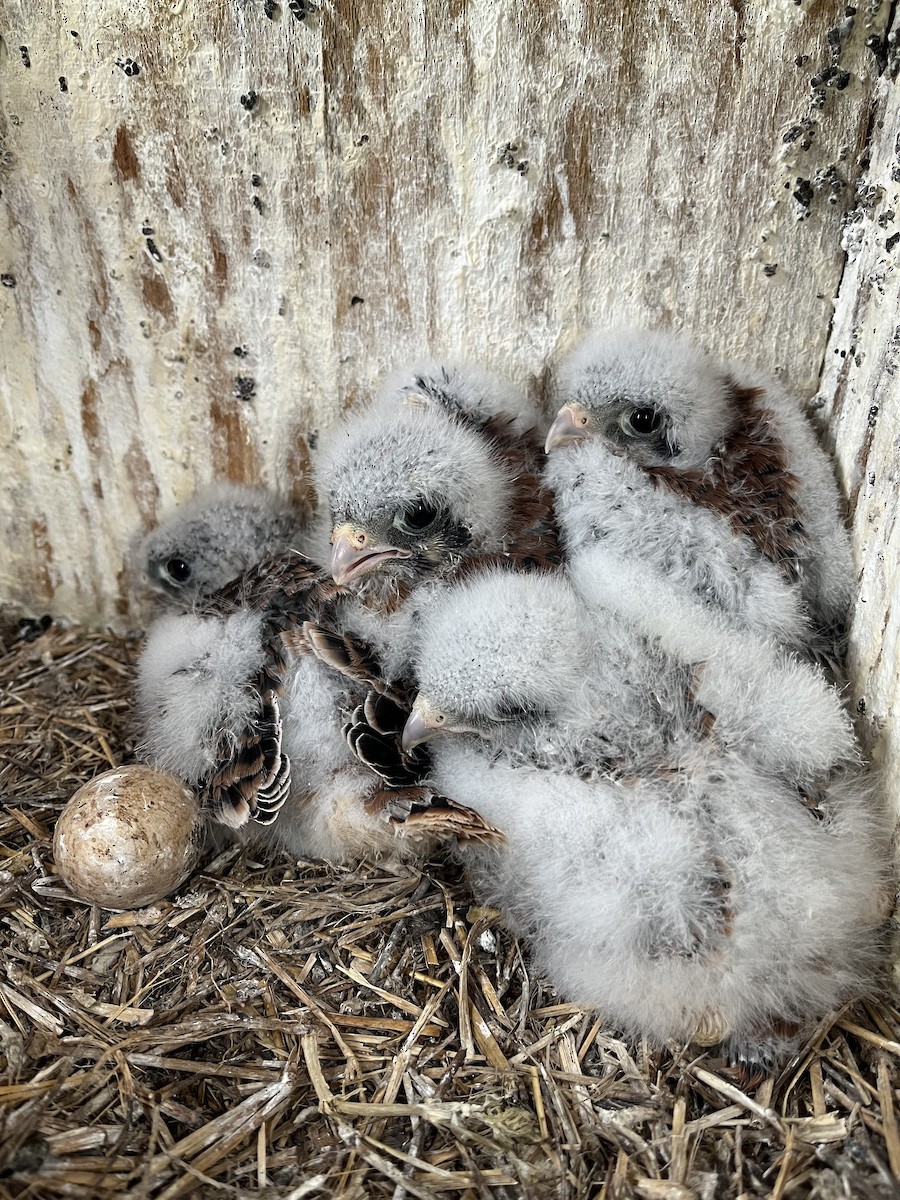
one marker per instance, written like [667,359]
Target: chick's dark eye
[417,518]
[178,570]
[644,420]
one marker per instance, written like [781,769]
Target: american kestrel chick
[711,475]
[420,487]
[661,872]
[235,699]
[707,906]
[226,528]
[524,661]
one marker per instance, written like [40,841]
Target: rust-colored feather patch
[747,480]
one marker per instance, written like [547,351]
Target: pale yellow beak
[421,725]
[352,553]
[572,424]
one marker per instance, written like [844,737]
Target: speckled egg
[128,837]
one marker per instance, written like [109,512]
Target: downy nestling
[433,477]
[235,699]
[696,896]
[582,690]
[706,475]
[226,528]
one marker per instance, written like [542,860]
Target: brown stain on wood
[584,202]
[219,262]
[94,334]
[99,281]
[175,177]
[90,422]
[43,558]
[124,157]
[298,467]
[234,456]
[156,294]
[143,481]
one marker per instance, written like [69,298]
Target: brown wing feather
[252,778]
[419,813]
[355,659]
[748,482]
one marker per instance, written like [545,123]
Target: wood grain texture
[198,283]
[860,401]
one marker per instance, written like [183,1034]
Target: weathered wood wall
[860,397]
[221,221]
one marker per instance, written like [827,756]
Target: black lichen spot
[8,280]
[241,351]
[146,230]
[861,706]
[770,269]
[509,157]
[879,49]
[244,388]
[257,204]
[152,250]
[26,57]
[891,242]
[249,99]
[255,180]
[129,66]
[354,300]
[803,193]
[312,439]
[801,60]
[270,8]
[301,9]
[873,416]
[63,84]
[804,132]
[73,33]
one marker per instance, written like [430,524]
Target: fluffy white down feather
[190,688]
[603,495]
[468,389]
[591,685]
[620,890]
[607,503]
[211,539]
[193,687]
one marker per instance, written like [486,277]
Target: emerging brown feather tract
[298,601]
[747,480]
[533,537]
[253,780]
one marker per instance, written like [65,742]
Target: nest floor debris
[304,1030]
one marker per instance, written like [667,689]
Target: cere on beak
[421,725]
[571,425]
[352,554]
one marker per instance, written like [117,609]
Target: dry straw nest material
[299,1030]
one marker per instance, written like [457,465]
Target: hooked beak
[571,425]
[421,725]
[352,554]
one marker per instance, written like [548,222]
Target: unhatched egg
[128,837]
